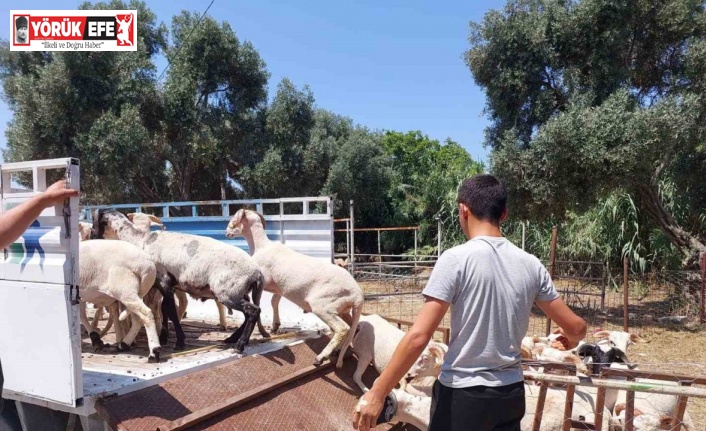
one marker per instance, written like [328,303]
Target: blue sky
[388,65]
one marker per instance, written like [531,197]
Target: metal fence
[642,303]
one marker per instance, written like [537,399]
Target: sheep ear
[438,353]
[156,220]
[668,422]
[621,356]
[262,219]
[602,334]
[637,339]
[525,353]
[585,350]
[235,220]
[130,216]
[619,408]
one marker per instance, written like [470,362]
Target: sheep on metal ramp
[152,299]
[201,266]
[411,409]
[325,289]
[145,222]
[376,340]
[111,271]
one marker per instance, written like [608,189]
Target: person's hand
[368,410]
[562,342]
[57,193]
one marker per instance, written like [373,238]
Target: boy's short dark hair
[485,195]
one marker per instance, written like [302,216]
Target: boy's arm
[14,222]
[570,325]
[406,353]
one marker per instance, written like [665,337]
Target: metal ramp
[276,391]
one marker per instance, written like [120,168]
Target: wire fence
[648,303]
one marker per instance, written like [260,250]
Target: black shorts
[478,408]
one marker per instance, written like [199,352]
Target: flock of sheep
[136,273]
[652,411]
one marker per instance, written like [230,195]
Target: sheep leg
[142,315]
[109,323]
[183,301]
[252,314]
[275,310]
[98,315]
[119,328]
[165,284]
[129,338]
[340,332]
[221,316]
[169,311]
[364,359]
[95,338]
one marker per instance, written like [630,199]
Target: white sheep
[546,353]
[657,406]
[152,299]
[144,222]
[325,289]
[584,407]
[412,409]
[376,341]
[641,421]
[201,266]
[111,271]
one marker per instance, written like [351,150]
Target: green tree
[214,90]
[278,162]
[424,186]
[140,140]
[362,172]
[57,98]
[591,96]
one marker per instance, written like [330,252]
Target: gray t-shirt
[491,285]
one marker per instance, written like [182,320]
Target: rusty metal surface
[321,401]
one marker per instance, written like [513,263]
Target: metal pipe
[626,294]
[552,264]
[438,245]
[649,387]
[351,264]
[415,248]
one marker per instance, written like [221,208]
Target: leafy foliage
[588,98]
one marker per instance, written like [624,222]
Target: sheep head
[429,362]
[84,230]
[106,223]
[145,221]
[599,356]
[241,220]
[620,339]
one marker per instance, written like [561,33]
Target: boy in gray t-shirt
[490,285]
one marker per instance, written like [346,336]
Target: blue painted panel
[310,234]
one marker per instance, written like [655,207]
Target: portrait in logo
[22,30]
[126,34]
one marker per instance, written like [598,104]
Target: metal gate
[40,344]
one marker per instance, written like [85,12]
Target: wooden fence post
[703,288]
